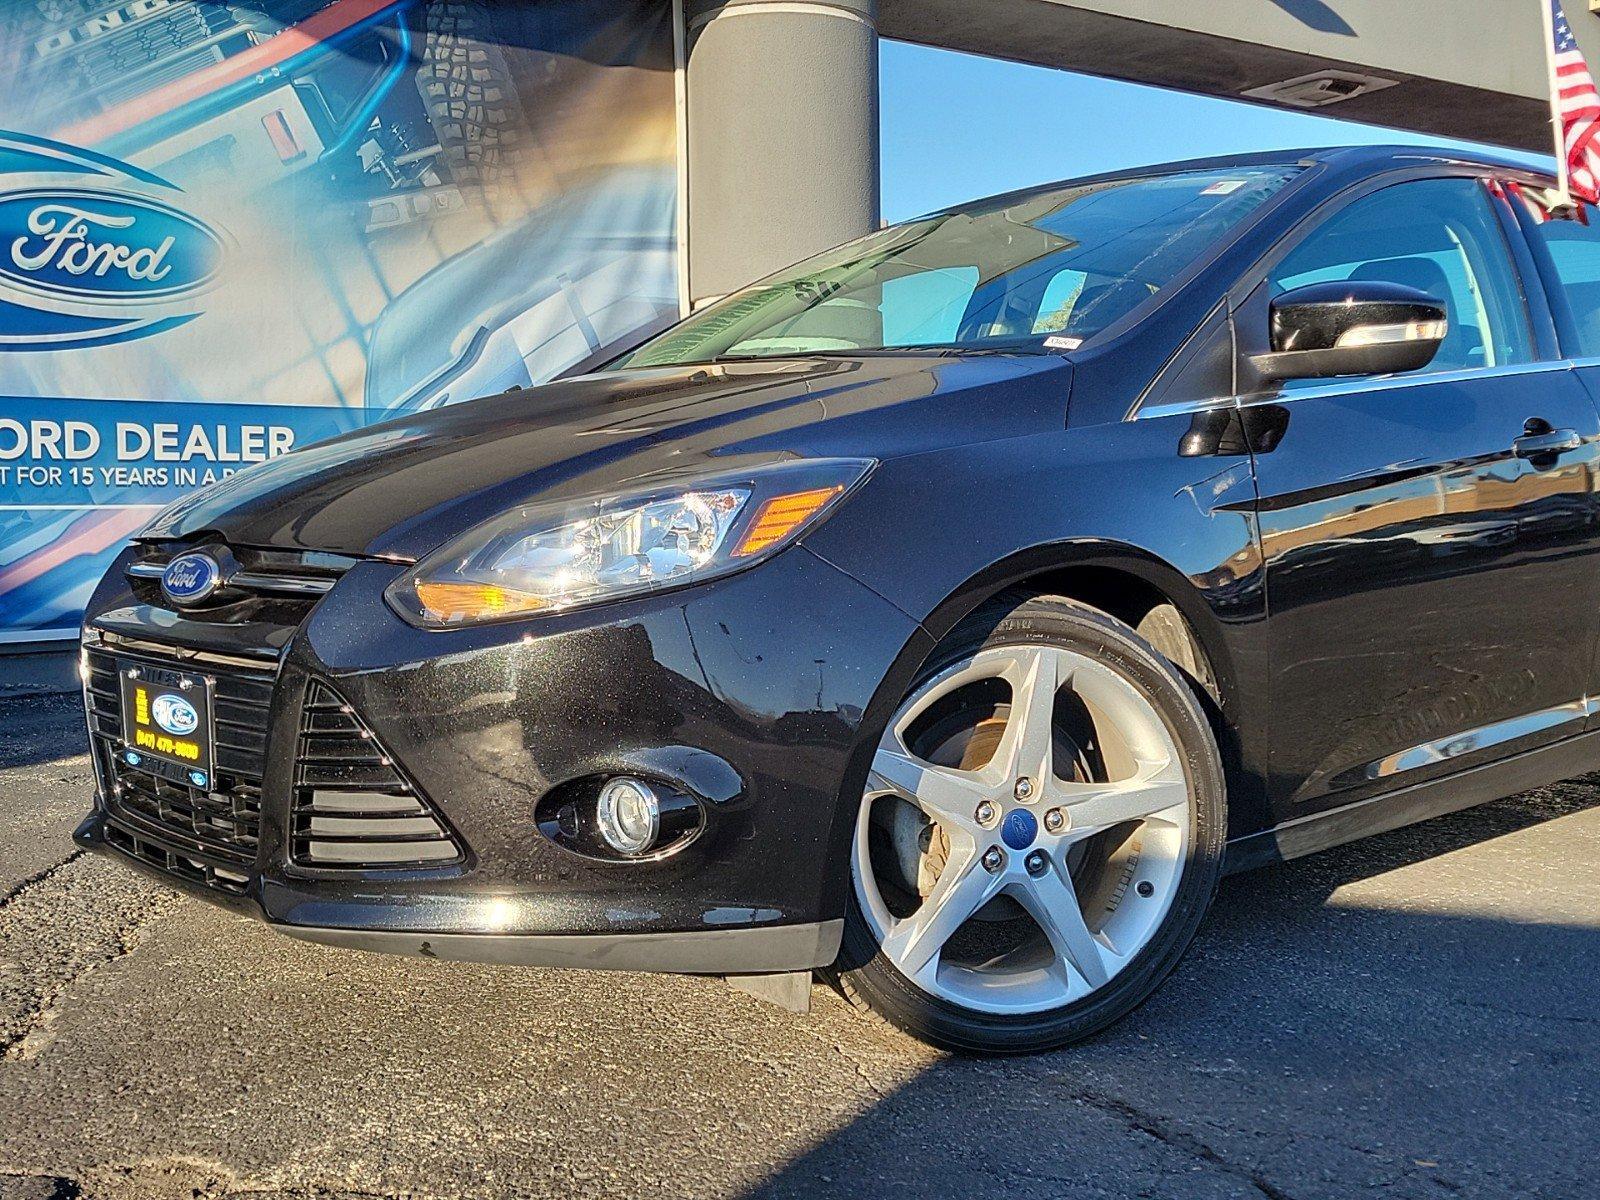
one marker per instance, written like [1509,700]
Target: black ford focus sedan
[946,613]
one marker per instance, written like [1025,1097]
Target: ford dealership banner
[228,230]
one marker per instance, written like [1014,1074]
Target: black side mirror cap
[1354,327]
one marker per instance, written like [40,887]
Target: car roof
[1373,157]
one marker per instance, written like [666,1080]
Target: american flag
[1577,110]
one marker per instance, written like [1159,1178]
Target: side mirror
[1358,327]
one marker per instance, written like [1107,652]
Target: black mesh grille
[352,808]
[207,835]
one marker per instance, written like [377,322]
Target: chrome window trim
[1332,204]
[1355,386]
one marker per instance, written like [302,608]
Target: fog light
[629,814]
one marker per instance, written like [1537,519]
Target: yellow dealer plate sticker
[166,723]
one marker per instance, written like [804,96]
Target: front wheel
[1040,835]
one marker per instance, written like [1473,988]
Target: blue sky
[957,126]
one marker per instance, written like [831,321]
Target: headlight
[548,558]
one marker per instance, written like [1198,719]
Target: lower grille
[209,835]
[157,853]
[352,808]
[226,822]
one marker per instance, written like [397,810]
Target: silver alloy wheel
[1143,803]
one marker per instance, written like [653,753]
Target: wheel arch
[1119,579]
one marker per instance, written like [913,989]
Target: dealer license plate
[166,723]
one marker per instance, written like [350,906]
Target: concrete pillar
[782,119]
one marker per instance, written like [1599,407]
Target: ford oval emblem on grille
[190,578]
[175,714]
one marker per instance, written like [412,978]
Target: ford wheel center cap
[1019,829]
[191,579]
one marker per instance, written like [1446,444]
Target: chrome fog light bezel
[622,830]
[570,816]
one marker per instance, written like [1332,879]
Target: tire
[468,91]
[972,1005]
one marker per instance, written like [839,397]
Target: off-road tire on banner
[1157,697]
[469,91]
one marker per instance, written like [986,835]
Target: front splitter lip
[757,950]
[743,950]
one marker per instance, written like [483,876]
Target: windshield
[1005,273]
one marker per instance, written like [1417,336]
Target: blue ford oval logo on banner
[95,263]
[191,578]
[86,244]
[175,714]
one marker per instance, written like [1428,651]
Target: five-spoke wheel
[1041,821]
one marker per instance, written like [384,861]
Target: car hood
[402,488]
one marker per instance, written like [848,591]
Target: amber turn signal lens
[780,516]
[453,602]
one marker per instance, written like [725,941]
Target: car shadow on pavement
[1414,1012]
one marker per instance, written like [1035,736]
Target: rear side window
[1570,244]
[1440,236]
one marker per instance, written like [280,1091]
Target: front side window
[1005,273]
[1440,236]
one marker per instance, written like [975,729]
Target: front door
[1430,539]
[1565,240]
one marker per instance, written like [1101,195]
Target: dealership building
[231,229]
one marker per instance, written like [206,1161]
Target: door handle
[1539,443]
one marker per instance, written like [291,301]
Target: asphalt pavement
[1415,1015]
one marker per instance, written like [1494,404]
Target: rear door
[1430,561]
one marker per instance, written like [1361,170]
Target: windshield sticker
[1224,187]
[1062,343]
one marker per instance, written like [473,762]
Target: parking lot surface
[1415,1015]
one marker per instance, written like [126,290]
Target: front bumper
[759,694]
[754,950]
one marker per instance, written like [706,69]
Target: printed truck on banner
[274,88]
